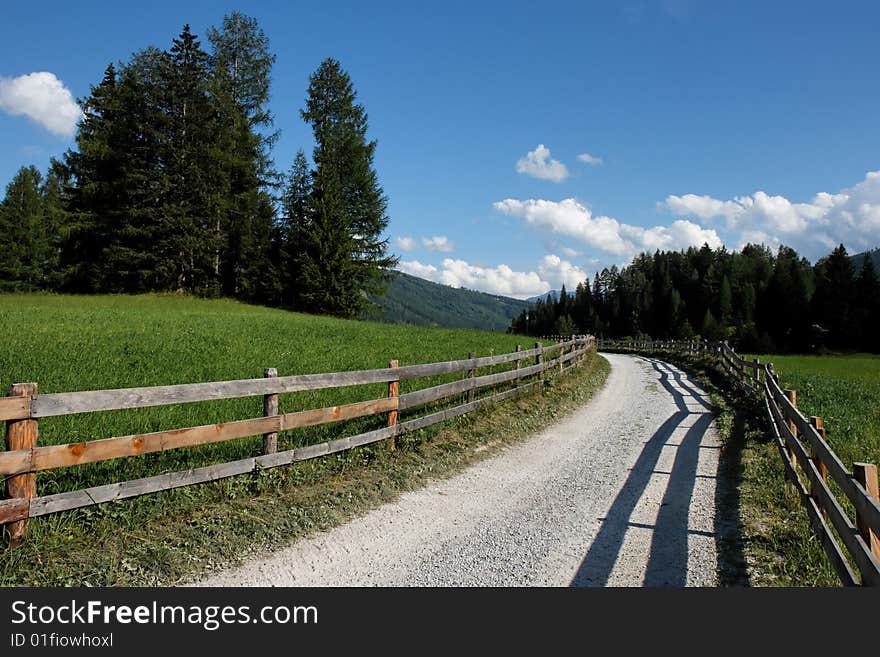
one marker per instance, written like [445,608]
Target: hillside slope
[412,300]
[859,258]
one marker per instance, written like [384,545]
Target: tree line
[171,186]
[757,300]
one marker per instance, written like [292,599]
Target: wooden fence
[810,464]
[24,407]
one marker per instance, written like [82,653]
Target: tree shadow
[668,557]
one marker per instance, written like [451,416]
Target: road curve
[621,493]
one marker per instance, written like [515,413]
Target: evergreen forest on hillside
[757,300]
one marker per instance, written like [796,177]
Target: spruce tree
[23,239]
[342,257]
[833,299]
[293,225]
[55,193]
[193,166]
[240,74]
[95,165]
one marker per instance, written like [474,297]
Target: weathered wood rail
[24,407]
[853,546]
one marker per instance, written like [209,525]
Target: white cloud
[561,272]
[570,252]
[569,217]
[438,243]
[416,268]
[536,165]
[42,98]
[593,160]
[494,280]
[405,243]
[850,217]
[702,207]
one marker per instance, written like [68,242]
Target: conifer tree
[193,167]
[240,75]
[342,257]
[24,242]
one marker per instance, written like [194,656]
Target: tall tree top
[241,59]
[331,102]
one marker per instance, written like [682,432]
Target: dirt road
[621,493]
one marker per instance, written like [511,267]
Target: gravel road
[621,493]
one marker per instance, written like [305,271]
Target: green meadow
[844,391]
[70,343]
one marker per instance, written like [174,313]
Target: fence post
[791,395]
[472,373]
[21,434]
[539,359]
[866,475]
[518,349]
[817,423]
[561,351]
[270,408]
[393,391]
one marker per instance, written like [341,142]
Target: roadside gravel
[621,493]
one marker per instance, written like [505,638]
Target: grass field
[67,343]
[81,343]
[844,391]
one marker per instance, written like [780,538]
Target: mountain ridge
[413,300]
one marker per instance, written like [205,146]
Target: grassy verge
[170,537]
[773,544]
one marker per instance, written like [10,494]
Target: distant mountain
[413,300]
[552,295]
[859,258]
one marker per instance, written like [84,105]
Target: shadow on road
[668,557]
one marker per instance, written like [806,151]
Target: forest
[171,186]
[757,300]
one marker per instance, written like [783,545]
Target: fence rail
[808,461]
[23,407]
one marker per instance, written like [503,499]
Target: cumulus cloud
[405,243]
[42,98]
[571,218]
[850,217]
[702,207]
[561,272]
[438,243]
[416,268]
[570,252]
[539,164]
[495,280]
[593,160]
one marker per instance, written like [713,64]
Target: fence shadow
[668,557]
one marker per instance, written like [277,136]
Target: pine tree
[24,242]
[134,226]
[833,299]
[95,166]
[240,76]
[343,258]
[293,226]
[193,166]
[55,193]
[866,313]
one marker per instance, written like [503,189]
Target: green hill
[412,300]
[859,258]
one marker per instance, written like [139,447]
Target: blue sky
[723,122]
